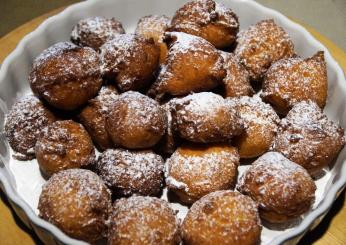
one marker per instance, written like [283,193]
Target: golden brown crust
[24,123]
[77,202]
[206,117]
[130,60]
[307,137]
[64,145]
[192,65]
[93,117]
[292,80]
[283,189]
[131,172]
[260,123]
[222,217]
[136,121]
[261,45]
[143,220]
[209,20]
[196,170]
[95,31]
[66,76]
[154,26]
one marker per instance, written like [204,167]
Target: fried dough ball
[64,145]
[192,65]
[209,20]
[154,26]
[23,125]
[77,202]
[131,172]
[143,220]
[94,115]
[307,137]
[206,117]
[95,31]
[237,81]
[130,60]
[292,80]
[66,75]
[196,170]
[261,45]
[260,123]
[283,189]
[136,121]
[222,217]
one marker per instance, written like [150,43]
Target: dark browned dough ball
[207,19]
[94,115]
[154,26]
[222,217]
[142,220]
[192,65]
[66,75]
[196,170]
[130,60]
[131,172]
[261,45]
[307,137]
[64,145]
[23,125]
[95,31]
[283,189]
[292,80]
[136,121]
[78,203]
[206,117]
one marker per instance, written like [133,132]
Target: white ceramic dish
[22,182]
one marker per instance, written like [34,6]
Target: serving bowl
[22,182]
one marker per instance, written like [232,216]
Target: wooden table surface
[332,230]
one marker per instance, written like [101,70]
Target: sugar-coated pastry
[307,137]
[283,189]
[130,60]
[142,220]
[292,80]
[261,45]
[23,125]
[64,145]
[207,19]
[95,31]
[66,75]
[196,170]
[78,203]
[222,217]
[136,121]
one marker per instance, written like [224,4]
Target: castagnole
[307,137]
[129,60]
[260,126]
[64,145]
[283,189]
[222,217]
[23,125]
[192,65]
[78,202]
[66,75]
[95,31]
[204,18]
[206,117]
[143,220]
[136,121]
[128,172]
[292,80]
[196,170]
[261,45]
